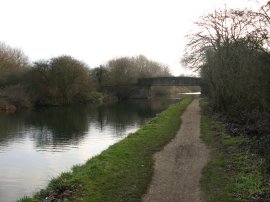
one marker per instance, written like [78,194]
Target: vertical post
[149,91]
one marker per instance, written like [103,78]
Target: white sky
[95,31]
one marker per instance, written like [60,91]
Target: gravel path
[178,166]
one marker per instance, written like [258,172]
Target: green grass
[233,173]
[122,172]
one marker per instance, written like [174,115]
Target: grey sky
[98,30]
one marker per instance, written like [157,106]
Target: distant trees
[13,68]
[149,68]
[127,70]
[61,80]
[100,75]
[13,63]
[65,80]
[58,81]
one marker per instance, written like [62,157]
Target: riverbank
[234,173]
[122,172]
[8,105]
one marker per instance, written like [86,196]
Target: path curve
[178,166]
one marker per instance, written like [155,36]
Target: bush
[59,81]
[17,96]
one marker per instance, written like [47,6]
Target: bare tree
[125,70]
[227,48]
[12,63]
[223,27]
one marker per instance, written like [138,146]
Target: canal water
[37,145]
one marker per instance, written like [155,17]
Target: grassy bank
[234,173]
[122,172]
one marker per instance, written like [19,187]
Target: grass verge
[234,173]
[122,172]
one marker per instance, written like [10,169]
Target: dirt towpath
[178,166]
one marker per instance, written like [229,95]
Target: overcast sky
[95,31]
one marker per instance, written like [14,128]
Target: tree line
[65,80]
[123,72]
[231,50]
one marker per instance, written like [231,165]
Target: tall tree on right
[231,50]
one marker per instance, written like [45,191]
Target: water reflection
[39,144]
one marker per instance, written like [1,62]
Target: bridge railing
[170,81]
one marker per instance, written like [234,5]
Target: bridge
[170,81]
[143,87]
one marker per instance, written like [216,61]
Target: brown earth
[178,166]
